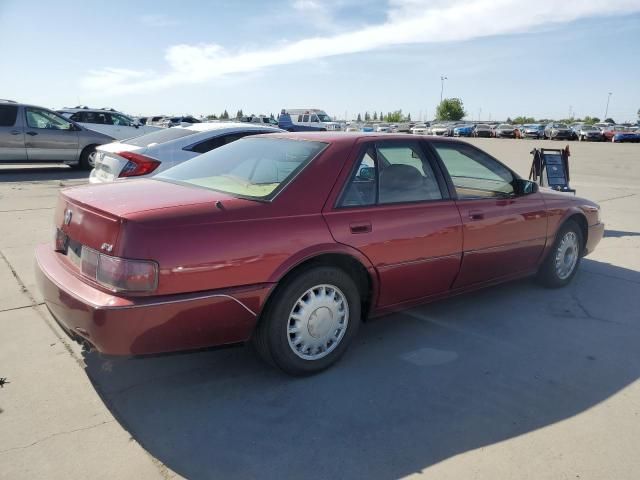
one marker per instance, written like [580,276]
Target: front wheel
[563,260]
[310,321]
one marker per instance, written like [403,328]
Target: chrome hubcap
[92,159]
[567,255]
[317,322]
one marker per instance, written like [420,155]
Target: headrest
[399,176]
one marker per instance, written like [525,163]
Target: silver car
[157,151]
[31,134]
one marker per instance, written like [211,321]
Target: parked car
[260,119]
[157,151]
[603,125]
[588,132]
[292,239]
[110,122]
[533,131]
[420,129]
[463,130]
[312,117]
[482,130]
[505,130]
[557,131]
[32,134]
[382,128]
[156,121]
[620,134]
[169,122]
[439,129]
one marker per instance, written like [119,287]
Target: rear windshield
[254,168]
[160,136]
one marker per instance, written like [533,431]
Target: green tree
[394,117]
[591,120]
[450,109]
[609,120]
[408,117]
[367,117]
[225,115]
[359,118]
[239,114]
[381,117]
[375,116]
[523,119]
[212,117]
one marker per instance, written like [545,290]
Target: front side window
[37,118]
[120,120]
[8,115]
[305,118]
[391,173]
[255,168]
[474,173]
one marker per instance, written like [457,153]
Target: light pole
[606,110]
[442,79]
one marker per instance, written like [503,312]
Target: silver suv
[30,134]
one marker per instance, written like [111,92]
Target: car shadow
[414,389]
[619,234]
[38,173]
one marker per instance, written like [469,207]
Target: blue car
[463,131]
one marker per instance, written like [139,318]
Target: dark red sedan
[291,240]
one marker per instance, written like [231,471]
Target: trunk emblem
[107,247]
[67,216]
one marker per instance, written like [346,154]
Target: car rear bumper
[118,325]
[595,234]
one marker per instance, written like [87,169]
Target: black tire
[548,274]
[85,163]
[271,338]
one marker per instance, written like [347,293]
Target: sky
[503,58]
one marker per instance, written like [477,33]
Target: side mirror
[525,187]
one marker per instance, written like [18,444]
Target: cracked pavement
[511,382]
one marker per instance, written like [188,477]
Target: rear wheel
[88,158]
[563,260]
[310,321]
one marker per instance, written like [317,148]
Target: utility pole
[442,79]
[479,113]
[606,111]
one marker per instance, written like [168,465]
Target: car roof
[205,127]
[352,137]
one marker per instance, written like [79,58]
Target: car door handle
[476,215]
[15,132]
[360,227]
[32,133]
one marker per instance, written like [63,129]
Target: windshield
[505,125]
[588,128]
[559,125]
[251,167]
[324,117]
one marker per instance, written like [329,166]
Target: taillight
[137,164]
[119,274]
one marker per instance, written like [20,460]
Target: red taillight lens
[137,164]
[127,275]
[119,274]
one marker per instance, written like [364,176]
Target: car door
[504,233]
[12,147]
[395,209]
[49,136]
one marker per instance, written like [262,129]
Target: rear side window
[160,136]
[8,115]
[215,142]
[391,173]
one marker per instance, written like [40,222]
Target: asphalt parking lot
[514,381]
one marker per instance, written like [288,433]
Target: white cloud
[408,21]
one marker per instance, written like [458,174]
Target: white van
[312,117]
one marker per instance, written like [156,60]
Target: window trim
[428,157]
[449,180]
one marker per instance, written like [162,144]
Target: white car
[110,122]
[157,151]
[419,129]
[382,128]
